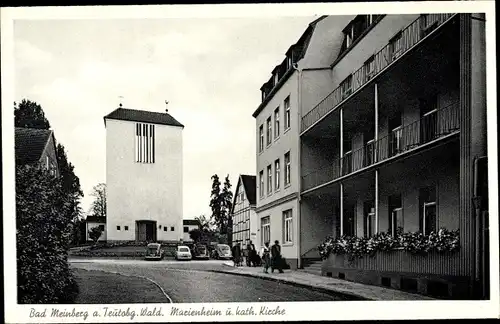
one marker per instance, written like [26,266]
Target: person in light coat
[266,256]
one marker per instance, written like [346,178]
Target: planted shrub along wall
[43,235]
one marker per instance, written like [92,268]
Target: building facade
[188,226]
[243,215]
[36,147]
[143,176]
[400,144]
[302,79]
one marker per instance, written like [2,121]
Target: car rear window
[224,247]
[183,249]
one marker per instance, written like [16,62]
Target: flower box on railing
[440,241]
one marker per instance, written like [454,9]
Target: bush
[43,235]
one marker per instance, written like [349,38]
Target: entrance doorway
[145,231]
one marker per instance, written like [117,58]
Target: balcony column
[375,148]
[341,185]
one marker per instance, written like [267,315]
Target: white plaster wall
[288,250]
[140,191]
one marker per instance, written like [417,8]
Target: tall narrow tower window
[144,143]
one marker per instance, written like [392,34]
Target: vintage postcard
[260,162]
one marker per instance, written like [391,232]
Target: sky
[209,69]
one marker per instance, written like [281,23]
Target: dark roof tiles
[153,117]
[249,183]
[191,222]
[30,144]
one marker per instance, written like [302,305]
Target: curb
[351,296]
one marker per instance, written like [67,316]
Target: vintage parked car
[154,251]
[200,251]
[183,253]
[222,251]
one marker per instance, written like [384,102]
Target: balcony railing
[432,126]
[397,46]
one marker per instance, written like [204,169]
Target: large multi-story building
[243,215]
[400,143]
[143,176]
[302,79]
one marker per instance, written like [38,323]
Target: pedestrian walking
[237,254]
[251,256]
[276,261]
[266,259]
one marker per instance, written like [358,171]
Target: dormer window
[357,28]
[288,62]
[276,78]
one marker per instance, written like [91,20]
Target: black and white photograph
[259,162]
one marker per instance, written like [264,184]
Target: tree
[29,114]
[204,223]
[196,235]
[226,206]
[98,207]
[95,233]
[215,202]
[221,203]
[70,182]
[43,234]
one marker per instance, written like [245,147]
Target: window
[265,230]
[261,183]
[287,226]
[277,122]
[186,229]
[346,87]
[165,228]
[47,166]
[269,179]
[261,138]
[395,214]
[269,133]
[287,168]
[276,174]
[276,78]
[396,45]
[117,228]
[428,211]
[369,67]
[101,227]
[172,228]
[396,134]
[126,228]
[144,143]
[286,104]
[356,29]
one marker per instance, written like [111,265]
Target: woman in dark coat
[237,254]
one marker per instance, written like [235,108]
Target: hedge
[43,235]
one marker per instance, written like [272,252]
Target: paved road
[190,282]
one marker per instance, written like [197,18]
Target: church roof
[143,116]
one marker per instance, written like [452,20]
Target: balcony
[434,125]
[401,43]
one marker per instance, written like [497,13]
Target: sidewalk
[356,290]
